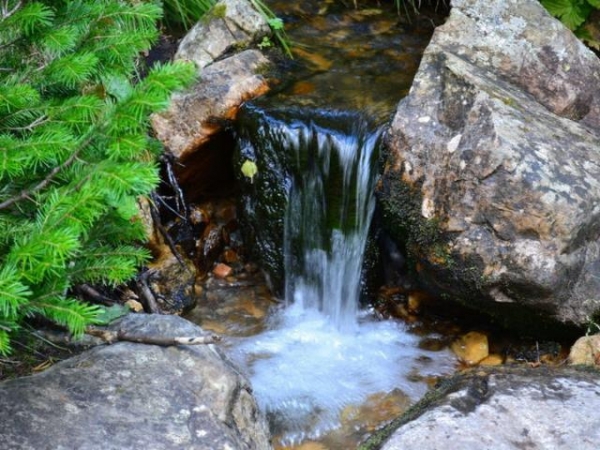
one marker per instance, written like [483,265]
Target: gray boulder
[231,24]
[509,409]
[198,113]
[134,396]
[492,179]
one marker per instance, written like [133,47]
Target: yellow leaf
[249,169]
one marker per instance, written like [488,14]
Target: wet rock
[129,395]
[289,145]
[231,24]
[492,360]
[171,282]
[504,409]
[222,270]
[198,113]
[492,179]
[471,347]
[170,279]
[586,350]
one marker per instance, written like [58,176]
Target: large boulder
[507,409]
[229,75]
[126,396]
[492,179]
[197,114]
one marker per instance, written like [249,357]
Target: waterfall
[330,205]
[322,164]
[308,210]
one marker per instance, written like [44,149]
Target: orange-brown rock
[471,347]
[197,114]
[222,270]
[230,256]
[491,360]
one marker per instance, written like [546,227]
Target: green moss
[402,218]
[218,11]
[508,101]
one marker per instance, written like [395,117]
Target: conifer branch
[6,13]
[45,182]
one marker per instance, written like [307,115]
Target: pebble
[222,270]
[471,347]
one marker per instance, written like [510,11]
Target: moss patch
[218,11]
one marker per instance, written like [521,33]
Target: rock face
[230,24]
[535,409]
[135,396]
[196,115]
[492,179]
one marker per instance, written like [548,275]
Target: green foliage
[74,151]
[249,169]
[185,13]
[578,16]
[276,25]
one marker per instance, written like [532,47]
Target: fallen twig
[111,337]
[146,293]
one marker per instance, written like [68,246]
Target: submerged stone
[471,347]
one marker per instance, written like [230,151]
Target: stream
[326,369]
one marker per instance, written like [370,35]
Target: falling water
[321,353]
[327,219]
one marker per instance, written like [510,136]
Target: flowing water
[320,354]
[319,359]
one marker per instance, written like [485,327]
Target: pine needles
[74,151]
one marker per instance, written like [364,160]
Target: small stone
[471,347]
[199,215]
[134,305]
[416,299]
[586,350]
[222,270]
[491,360]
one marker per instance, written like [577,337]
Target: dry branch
[111,337]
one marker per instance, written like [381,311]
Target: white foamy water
[304,371]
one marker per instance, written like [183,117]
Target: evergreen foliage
[74,151]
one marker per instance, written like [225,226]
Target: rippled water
[305,371]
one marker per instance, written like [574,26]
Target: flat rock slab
[508,410]
[128,396]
